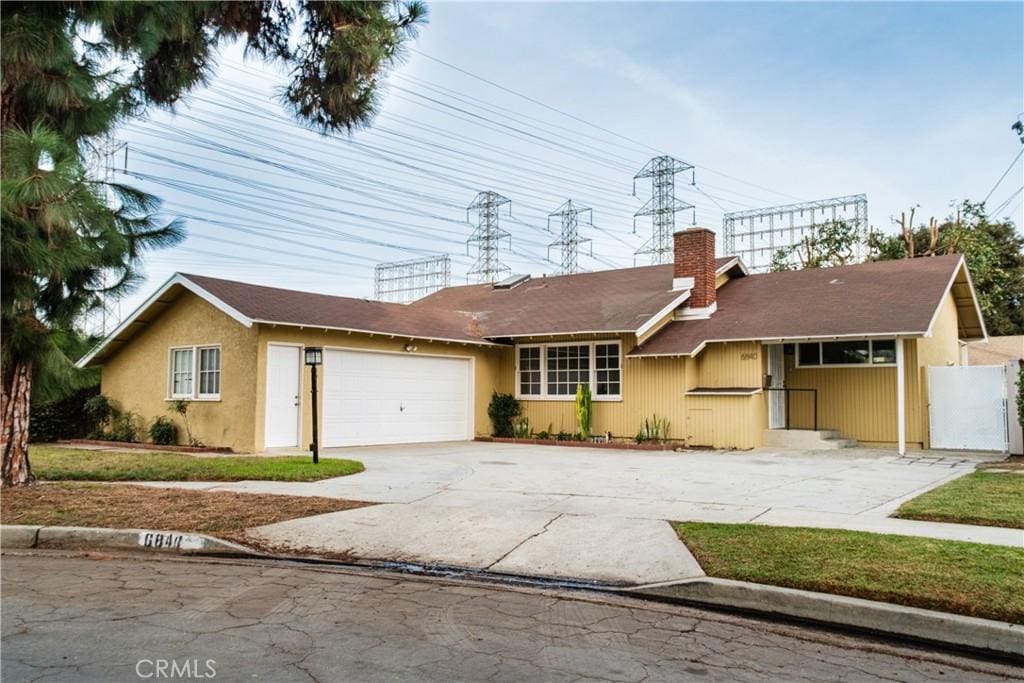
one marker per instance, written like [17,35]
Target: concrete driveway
[597,513]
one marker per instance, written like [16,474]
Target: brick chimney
[694,269]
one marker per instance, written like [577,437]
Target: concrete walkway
[601,514]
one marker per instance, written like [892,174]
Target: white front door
[776,399]
[379,398]
[283,396]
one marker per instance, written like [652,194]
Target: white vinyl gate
[967,407]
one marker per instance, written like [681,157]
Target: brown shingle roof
[603,301]
[881,298]
[287,306]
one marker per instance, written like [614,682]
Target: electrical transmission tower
[662,206]
[569,241]
[101,168]
[487,236]
[405,281]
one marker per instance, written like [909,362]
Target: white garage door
[380,398]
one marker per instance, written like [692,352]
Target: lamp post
[314,357]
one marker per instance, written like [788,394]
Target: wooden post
[901,400]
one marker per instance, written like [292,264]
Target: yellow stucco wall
[137,376]
[487,368]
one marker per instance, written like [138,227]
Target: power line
[1008,169]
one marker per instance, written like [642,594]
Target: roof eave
[174,281]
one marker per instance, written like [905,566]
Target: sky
[772,103]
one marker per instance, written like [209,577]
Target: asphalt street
[104,617]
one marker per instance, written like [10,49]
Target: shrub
[521,427]
[584,410]
[100,410]
[504,408]
[180,406]
[654,429]
[123,427]
[66,418]
[163,431]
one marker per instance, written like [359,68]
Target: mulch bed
[221,513]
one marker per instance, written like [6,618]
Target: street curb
[971,633]
[86,538]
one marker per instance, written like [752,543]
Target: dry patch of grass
[220,513]
[53,463]
[951,576]
[984,498]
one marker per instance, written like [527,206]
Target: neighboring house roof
[884,298]
[604,301]
[996,350]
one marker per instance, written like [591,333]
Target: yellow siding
[488,363]
[136,377]
[735,364]
[859,402]
[658,386]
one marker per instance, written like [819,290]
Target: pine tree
[71,72]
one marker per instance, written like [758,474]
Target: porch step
[806,439]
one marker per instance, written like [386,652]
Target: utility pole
[662,206]
[569,240]
[487,236]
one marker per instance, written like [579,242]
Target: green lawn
[53,463]
[950,576]
[986,498]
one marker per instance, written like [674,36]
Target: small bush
[521,428]
[124,427]
[163,431]
[66,418]
[654,429]
[504,408]
[584,410]
[99,409]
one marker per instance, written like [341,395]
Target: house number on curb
[157,540]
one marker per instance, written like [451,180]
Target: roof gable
[883,298]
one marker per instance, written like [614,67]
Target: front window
[529,371]
[555,371]
[609,372]
[844,353]
[568,367]
[209,372]
[195,372]
[181,373]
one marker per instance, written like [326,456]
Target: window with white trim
[554,371]
[195,372]
[181,373]
[846,353]
[568,367]
[530,376]
[608,370]
[209,372]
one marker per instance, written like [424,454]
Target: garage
[380,398]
